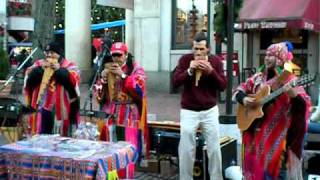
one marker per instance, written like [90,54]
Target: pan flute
[198,74]
[48,72]
[111,81]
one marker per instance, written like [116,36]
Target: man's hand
[201,63]
[104,75]
[116,69]
[52,63]
[193,65]
[55,66]
[249,101]
[292,93]
[205,66]
[45,64]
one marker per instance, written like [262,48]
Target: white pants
[208,121]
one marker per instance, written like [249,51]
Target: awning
[94,27]
[269,14]
[127,4]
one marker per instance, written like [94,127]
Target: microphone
[104,57]
[106,54]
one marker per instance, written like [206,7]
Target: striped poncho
[274,143]
[128,108]
[55,99]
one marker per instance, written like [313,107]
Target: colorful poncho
[55,98]
[128,107]
[275,141]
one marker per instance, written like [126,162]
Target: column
[129,29]
[77,35]
[147,33]
[165,34]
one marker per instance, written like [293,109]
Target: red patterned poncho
[55,98]
[128,108]
[275,141]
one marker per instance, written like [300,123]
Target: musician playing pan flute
[51,89]
[201,75]
[272,144]
[121,93]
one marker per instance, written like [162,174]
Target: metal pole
[122,34]
[5,24]
[20,67]
[5,34]
[230,28]
[208,21]
[242,50]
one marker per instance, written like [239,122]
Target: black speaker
[166,142]
[200,169]
[10,110]
[313,165]
[228,154]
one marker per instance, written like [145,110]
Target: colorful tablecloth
[55,157]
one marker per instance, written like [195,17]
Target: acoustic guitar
[247,115]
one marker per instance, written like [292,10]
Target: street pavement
[162,106]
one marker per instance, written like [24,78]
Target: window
[189,17]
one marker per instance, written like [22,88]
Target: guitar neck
[273,95]
[303,81]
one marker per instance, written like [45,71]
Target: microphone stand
[18,109]
[18,69]
[90,91]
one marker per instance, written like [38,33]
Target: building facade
[272,21]
[158,32]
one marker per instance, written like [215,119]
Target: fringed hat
[282,51]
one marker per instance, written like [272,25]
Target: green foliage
[99,14]
[220,20]
[4,64]
[221,17]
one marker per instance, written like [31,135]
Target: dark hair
[201,36]
[55,47]
[130,63]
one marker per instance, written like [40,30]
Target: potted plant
[4,72]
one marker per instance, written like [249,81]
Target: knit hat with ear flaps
[282,51]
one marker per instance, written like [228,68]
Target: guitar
[247,115]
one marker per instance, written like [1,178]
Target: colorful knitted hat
[282,51]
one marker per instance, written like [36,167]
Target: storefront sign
[274,25]
[264,25]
